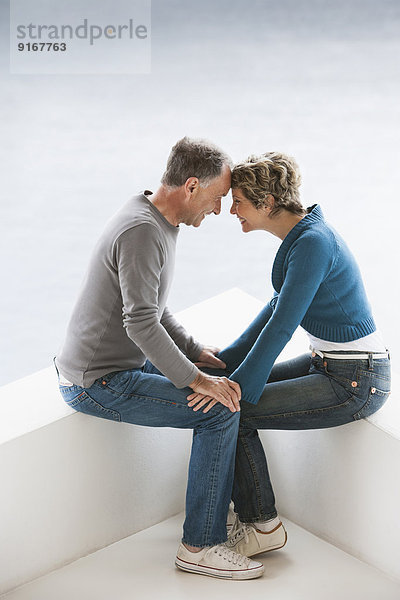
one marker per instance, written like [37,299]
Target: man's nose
[217,208]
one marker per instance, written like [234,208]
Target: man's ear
[191,185]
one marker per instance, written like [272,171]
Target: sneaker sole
[219,573]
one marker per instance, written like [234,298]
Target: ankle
[267,526]
[192,548]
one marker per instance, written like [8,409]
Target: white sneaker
[218,561]
[246,539]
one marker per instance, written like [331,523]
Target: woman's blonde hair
[272,173]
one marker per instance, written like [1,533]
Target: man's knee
[221,417]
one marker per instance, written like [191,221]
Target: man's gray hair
[194,158]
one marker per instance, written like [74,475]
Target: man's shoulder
[135,213]
[136,210]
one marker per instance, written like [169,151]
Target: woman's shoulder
[318,235]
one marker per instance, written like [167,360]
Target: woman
[317,285]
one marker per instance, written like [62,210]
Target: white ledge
[30,403]
[343,484]
[34,404]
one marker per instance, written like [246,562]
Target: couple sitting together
[127,359]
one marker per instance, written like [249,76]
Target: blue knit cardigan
[317,285]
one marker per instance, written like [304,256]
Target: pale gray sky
[319,80]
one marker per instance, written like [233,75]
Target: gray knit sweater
[121,317]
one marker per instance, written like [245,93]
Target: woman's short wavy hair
[272,173]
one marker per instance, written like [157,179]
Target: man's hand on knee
[208,390]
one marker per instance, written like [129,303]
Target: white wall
[342,484]
[80,484]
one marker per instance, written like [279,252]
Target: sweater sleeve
[178,333]
[234,354]
[140,257]
[309,262]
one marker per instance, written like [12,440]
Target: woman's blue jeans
[145,397]
[307,392]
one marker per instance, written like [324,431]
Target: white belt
[356,356]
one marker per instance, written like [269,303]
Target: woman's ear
[269,203]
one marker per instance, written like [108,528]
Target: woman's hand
[207,358]
[211,389]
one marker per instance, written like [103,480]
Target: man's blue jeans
[304,393]
[145,397]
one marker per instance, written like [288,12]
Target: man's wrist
[197,380]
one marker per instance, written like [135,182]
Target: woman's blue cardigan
[317,285]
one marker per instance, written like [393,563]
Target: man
[121,319]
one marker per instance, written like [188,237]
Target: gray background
[316,79]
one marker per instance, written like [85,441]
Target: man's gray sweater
[121,317]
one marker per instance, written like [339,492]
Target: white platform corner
[76,484]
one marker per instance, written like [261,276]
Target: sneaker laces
[239,530]
[230,555]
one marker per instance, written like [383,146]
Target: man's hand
[207,358]
[210,389]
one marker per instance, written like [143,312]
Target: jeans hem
[209,545]
[262,517]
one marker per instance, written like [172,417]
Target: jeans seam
[149,398]
[222,415]
[113,414]
[213,479]
[372,375]
[215,472]
[116,416]
[123,395]
[253,470]
[300,412]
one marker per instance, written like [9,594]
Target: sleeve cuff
[189,376]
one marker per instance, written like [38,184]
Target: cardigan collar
[314,216]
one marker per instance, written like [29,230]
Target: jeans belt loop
[315,352]
[370,362]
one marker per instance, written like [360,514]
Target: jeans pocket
[85,404]
[346,373]
[118,382]
[376,399]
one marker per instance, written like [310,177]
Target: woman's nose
[233,209]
